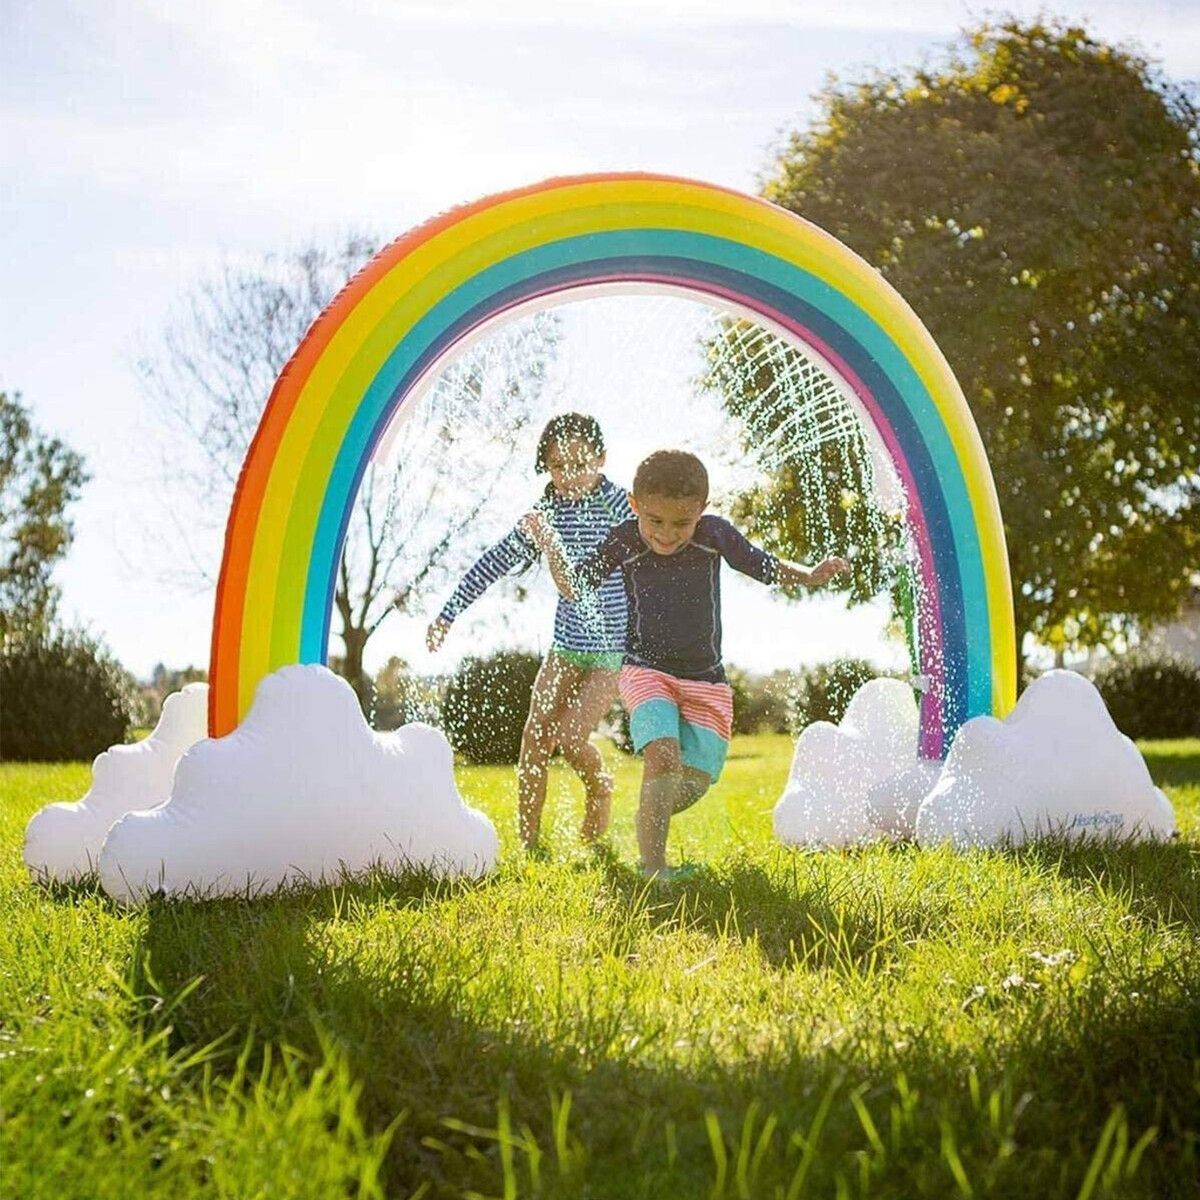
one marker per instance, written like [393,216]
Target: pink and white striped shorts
[698,715]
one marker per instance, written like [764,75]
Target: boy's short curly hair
[672,473]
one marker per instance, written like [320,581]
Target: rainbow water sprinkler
[420,299]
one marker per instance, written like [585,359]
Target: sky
[143,144]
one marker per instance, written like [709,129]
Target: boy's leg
[662,790]
[692,785]
[705,727]
[656,726]
[591,695]
[538,740]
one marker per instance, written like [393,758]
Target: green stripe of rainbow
[432,287]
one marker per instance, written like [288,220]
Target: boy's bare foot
[679,874]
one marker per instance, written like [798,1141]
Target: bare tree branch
[220,352]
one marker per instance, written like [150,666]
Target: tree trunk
[1022,662]
[354,637]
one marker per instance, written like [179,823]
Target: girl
[577,683]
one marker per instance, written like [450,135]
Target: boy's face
[667,523]
[574,467]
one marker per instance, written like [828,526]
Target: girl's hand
[823,572]
[435,635]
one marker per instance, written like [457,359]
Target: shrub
[824,691]
[62,697]
[399,697]
[1152,695]
[486,704]
[760,702]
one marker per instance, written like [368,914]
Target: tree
[165,681]
[1036,199]
[401,697]
[40,478]
[221,351]
[818,496]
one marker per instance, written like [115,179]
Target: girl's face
[574,467]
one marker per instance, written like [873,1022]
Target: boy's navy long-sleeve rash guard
[674,600]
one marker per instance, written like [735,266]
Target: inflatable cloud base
[860,779]
[1056,766]
[63,841]
[302,791]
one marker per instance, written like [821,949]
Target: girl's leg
[662,791]
[590,697]
[538,740]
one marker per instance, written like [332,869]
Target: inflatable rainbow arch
[396,322]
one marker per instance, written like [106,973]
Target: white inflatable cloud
[859,779]
[62,841]
[303,790]
[1056,764]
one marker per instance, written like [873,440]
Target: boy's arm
[790,574]
[572,582]
[744,556]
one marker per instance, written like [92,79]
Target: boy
[672,680]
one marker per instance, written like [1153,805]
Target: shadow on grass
[74,892]
[798,917]
[1160,881]
[427,1032]
[1173,764]
[414,888]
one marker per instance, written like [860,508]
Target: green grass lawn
[889,1022]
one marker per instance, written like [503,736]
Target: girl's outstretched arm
[514,550]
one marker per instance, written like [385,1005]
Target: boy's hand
[435,635]
[823,572]
[535,527]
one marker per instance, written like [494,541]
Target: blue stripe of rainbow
[765,284]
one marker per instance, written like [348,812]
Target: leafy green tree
[818,495]
[162,683]
[40,478]
[400,696]
[1036,199]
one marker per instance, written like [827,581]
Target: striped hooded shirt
[597,623]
